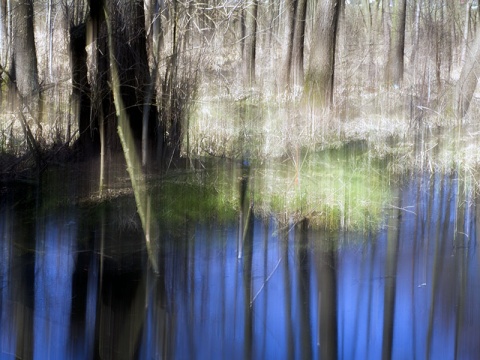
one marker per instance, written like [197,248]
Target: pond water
[76,280]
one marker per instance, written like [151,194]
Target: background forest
[231,78]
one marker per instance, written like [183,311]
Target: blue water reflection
[54,256]
[409,290]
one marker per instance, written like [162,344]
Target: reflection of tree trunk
[247,287]
[23,276]
[390,278]
[328,301]
[120,313]
[245,210]
[460,200]
[266,276]
[304,269]
[441,233]
[370,312]
[289,293]
[461,256]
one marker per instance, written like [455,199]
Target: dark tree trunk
[137,86]
[393,236]
[132,61]
[81,103]
[327,301]
[104,121]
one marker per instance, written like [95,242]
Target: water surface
[76,281]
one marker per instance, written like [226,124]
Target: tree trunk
[321,67]
[394,68]
[25,71]
[467,82]
[4,35]
[102,99]
[299,42]
[81,103]
[393,236]
[5,45]
[327,301]
[130,54]
[465,32]
[416,32]
[250,41]
[290,6]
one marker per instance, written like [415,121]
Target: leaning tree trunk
[321,67]
[467,82]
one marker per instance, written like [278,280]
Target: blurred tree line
[342,55]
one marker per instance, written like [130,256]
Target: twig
[266,280]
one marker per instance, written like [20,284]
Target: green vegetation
[335,189]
